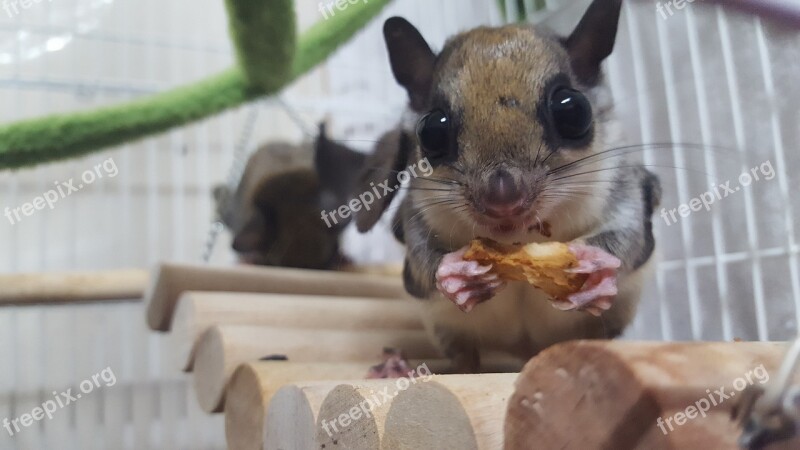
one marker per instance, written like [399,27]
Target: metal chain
[240,156]
[294,116]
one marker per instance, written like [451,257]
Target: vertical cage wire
[777,135]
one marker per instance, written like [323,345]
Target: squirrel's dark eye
[572,113]
[433,131]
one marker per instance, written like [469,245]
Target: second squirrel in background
[274,213]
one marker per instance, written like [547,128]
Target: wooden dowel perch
[626,395]
[424,411]
[291,418]
[250,398]
[198,311]
[253,386]
[170,281]
[353,415]
[222,349]
[72,287]
[459,411]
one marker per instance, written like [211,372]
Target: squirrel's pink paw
[466,283]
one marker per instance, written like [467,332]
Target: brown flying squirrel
[516,123]
[274,213]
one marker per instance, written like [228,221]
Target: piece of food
[545,266]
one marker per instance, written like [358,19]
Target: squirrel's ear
[390,157]
[337,166]
[411,58]
[593,39]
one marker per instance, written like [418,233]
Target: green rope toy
[270,56]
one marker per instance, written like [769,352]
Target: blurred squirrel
[274,213]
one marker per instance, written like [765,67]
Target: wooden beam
[72,287]
[353,415]
[459,411]
[223,348]
[198,311]
[422,411]
[254,386]
[636,395]
[171,280]
[291,417]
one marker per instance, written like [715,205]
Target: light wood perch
[170,281]
[198,311]
[353,414]
[253,388]
[460,411]
[291,418]
[222,349]
[612,394]
[72,287]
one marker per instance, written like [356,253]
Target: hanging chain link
[240,156]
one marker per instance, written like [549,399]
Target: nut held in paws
[545,266]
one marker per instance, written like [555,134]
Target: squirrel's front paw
[466,283]
[394,365]
[598,292]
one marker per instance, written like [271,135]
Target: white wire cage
[704,75]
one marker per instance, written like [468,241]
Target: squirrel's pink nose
[503,197]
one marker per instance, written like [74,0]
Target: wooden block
[223,348]
[459,411]
[598,394]
[198,311]
[170,281]
[72,287]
